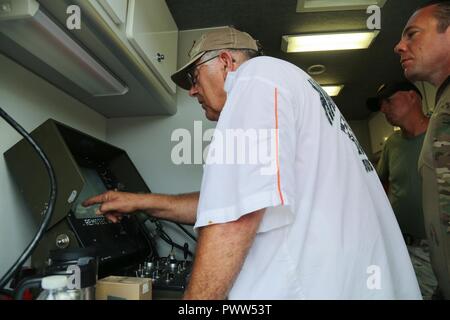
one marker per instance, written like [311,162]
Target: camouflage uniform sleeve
[441,157]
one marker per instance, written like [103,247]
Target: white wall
[30,101]
[380,130]
[361,130]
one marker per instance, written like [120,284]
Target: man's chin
[211,116]
[411,75]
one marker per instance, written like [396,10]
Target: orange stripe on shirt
[276,145]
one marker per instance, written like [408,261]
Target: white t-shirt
[329,231]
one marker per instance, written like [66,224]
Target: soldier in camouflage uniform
[425,56]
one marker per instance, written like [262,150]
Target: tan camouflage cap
[224,38]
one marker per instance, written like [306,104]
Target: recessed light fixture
[316,69]
[334,90]
[334,5]
[328,41]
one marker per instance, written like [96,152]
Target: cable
[148,239]
[7,292]
[51,203]
[187,232]
[164,236]
[33,282]
[179,225]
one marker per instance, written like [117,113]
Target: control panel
[166,273]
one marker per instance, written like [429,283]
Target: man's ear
[414,96]
[227,60]
[447,33]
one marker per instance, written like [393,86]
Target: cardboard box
[123,288]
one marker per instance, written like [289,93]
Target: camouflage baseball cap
[224,38]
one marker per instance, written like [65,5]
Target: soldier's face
[396,107]
[424,51]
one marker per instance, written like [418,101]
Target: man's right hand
[178,208]
[114,204]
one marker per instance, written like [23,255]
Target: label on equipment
[72,196]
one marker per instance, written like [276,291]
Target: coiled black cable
[50,207]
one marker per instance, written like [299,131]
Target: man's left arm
[441,156]
[220,254]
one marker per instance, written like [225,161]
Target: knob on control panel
[167,273]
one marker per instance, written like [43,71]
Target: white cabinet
[153,33]
[103,35]
[379,130]
[116,9]
[149,30]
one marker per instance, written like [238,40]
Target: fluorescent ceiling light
[328,41]
[333,91]
[43,38]
[336,5]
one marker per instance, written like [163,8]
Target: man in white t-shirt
[290,207]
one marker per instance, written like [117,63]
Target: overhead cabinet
[116,9]
[130,43]
[154,35]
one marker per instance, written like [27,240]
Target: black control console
[166,273]
[85,167]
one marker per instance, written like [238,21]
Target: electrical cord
[7,293]
[50,207]
[178,225]
[33,282]
[166,238]
[148,239]
[187,232]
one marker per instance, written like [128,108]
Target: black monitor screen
[94,186]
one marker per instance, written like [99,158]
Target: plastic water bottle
[55,288]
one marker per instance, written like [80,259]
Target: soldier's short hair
[442,13]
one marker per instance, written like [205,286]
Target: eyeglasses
[191,71]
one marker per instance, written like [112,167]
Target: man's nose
[193,91]
[400,47]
